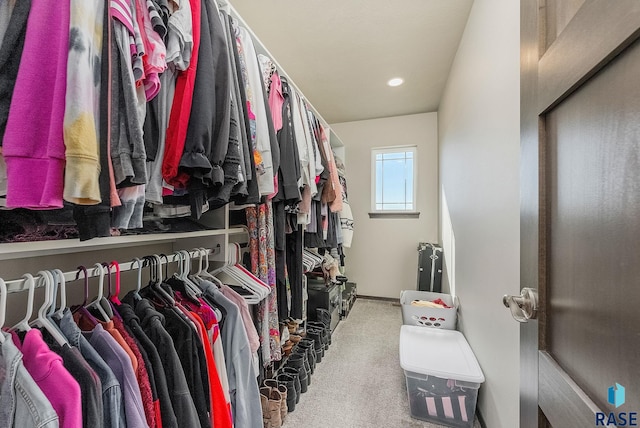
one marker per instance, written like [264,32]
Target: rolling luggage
[430,267]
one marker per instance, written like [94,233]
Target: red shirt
[181,109]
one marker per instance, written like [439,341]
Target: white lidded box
[428,317]
[442,374]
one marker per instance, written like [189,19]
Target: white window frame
[394,149]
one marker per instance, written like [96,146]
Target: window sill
[394,214]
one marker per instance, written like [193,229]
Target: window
[393,181]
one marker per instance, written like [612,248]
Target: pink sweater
[46,369]
[33,144]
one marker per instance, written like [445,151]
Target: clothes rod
[17,285]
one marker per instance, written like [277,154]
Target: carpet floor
[359,383]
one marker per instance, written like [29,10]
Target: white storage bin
[442,374]
[428,317]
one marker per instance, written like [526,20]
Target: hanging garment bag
[430,267]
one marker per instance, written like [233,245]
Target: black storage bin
[326,297]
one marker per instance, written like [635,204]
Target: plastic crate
[442,375]
[428,317]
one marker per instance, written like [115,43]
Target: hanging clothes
[20,397]
[243,384]
[168,416]
[13,28]
[81,117]
[47,370]
[90,386]
[153,325]
[112,397]
[181,107]
[33,144]
[120,362]
[262,251]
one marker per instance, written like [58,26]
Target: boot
[270,407]
[296,361]
[326,332]
[295,375]
[319,337]
[305,361]
[272,383]
[324,317]
[292,395]
[308,345]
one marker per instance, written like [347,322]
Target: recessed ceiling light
[396,81]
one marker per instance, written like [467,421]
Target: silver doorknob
[523,307]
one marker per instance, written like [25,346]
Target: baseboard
[382,299]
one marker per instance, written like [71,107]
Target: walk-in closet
[240,214]
[170,197]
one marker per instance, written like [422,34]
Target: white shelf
[20,250]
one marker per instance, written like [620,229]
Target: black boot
[326,332]
[319,336]
[307,364]
[295,374]
[299,362]
[292,394]
[309,347]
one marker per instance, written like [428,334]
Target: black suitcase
[430,267]
[321,296]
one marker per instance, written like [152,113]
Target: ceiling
[341,53]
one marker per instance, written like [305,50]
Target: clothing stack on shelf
[176,353]
[151,110]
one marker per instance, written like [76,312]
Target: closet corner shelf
[20,250]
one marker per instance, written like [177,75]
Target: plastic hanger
[115,298]
[96,303]
[136,293]
[82,269]
[54,294]
[3,306]
[185,268]
[60,280]
[155,265]
[42,321]
[23,325]
[177,281]
[104,302]
[204,272]
[232,277]
[166,264]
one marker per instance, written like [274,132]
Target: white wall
[383,258]
[479,163]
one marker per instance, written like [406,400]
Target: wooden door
[580,212]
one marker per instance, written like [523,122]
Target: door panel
[558,14]
[593,142]
[580,190]
[600,30]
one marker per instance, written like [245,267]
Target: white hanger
[3,306]
[185,268]
[235,275]
[96,303]
[158,281]
[42,321]
[63,293]
[24,323]
[136,294]
[204,272]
